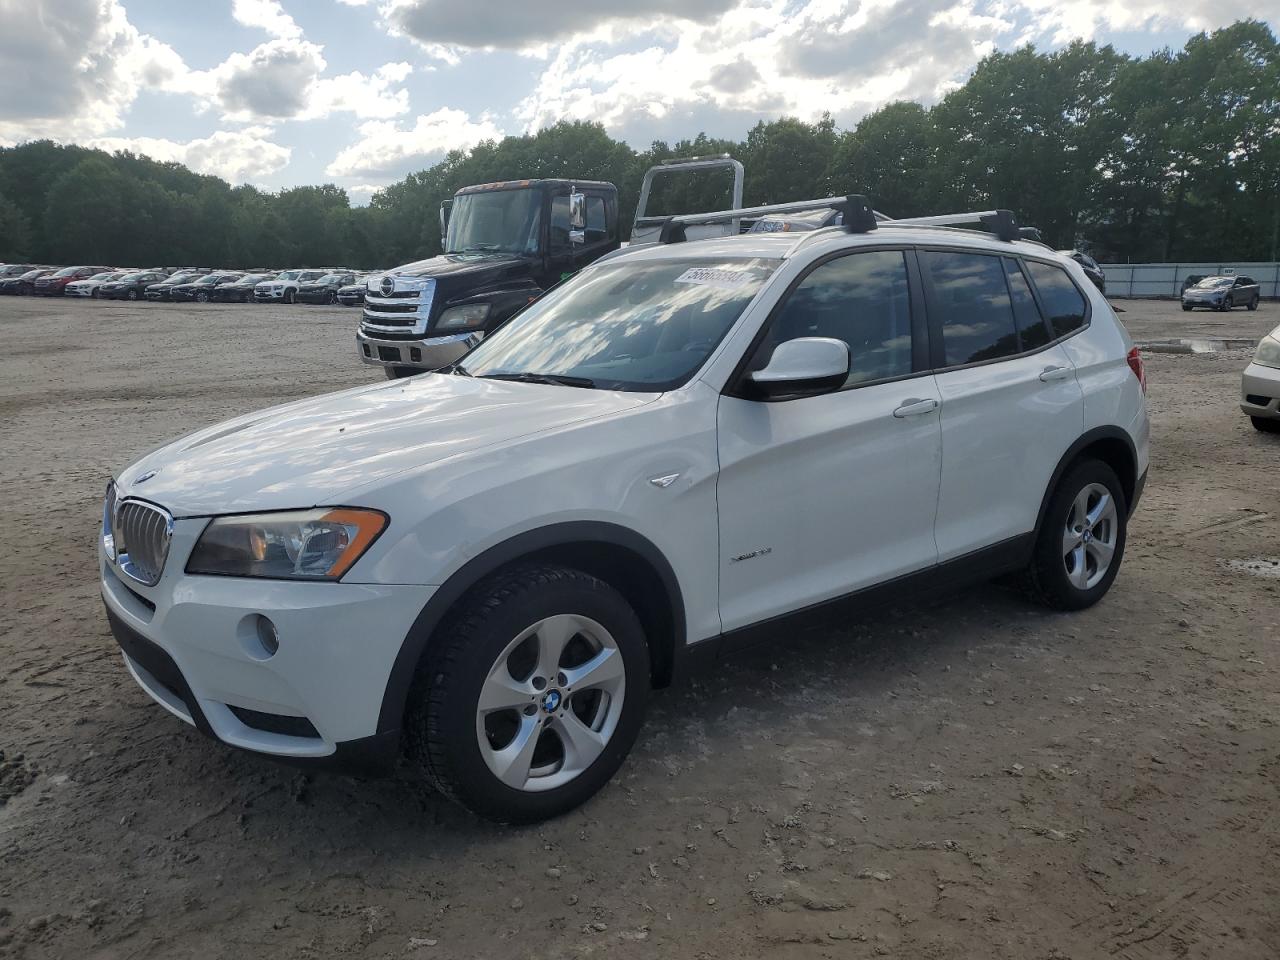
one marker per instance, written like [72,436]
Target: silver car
[1260,390]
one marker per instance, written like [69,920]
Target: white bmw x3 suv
[487,569]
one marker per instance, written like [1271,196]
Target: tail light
[1138,367]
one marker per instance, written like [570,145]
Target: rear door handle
[915,406]
[1049,374]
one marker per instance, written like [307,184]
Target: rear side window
[1063,303]
[972,298]
[1031,326]
[863,299]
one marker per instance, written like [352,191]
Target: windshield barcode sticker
[714,277]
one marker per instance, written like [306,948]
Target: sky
[361,92]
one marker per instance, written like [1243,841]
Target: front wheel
[1081,541]
[202,296]
[1253,304]
[133,294]
[1226,305]
[1186,307]
[532,695]
[1265,425]
[331,298]
[288,296]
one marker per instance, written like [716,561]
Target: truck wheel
[531,696]
[399,373]
[1081,542]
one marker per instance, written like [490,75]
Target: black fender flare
[571,533]
[1086,440]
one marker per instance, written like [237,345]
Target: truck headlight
[319,544]
[1268,352]
[470,316]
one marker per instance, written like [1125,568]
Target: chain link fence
[1168,279]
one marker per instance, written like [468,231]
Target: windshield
[499,221]
[34,274]
[252,278]
[135,276]
[182,278]
[288,275]
[310,275]
[332,278]
[68,271]
[102,276]
[626,326]
[1214,282]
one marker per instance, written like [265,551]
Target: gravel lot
[972,778]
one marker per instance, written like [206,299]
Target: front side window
[972,297]
[1064,305]
[863,299]
[644,326]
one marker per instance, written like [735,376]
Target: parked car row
[328,285]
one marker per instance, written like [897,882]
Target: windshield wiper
[459,370]
[556,378]
[482,247]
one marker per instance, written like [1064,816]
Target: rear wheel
[331,298]
[1265,425]
[532,696]
[1081,542]
[1253,304]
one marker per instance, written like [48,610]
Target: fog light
[415,354]
[367,351]
[267,636]
[258,637]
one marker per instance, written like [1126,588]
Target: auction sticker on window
[714,277]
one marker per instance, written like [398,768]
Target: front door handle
[915,406]
[1049,374]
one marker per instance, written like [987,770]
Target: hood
[449,264]
[314,451]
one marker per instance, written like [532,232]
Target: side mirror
[577,211]
[803,367]
[444,221]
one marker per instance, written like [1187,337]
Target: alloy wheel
[1089,540]
[550,703]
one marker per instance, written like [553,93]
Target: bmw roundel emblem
[388,286]
[551,702]
[146,476]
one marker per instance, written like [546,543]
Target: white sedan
[1260,390]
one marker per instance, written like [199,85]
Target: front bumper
[269,296]
[424,353]
[190,644]
[1260,392]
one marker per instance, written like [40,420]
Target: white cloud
[386,149]
[376,96]
[234,155]
[266,15]
[72,68]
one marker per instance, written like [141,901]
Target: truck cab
[504,244]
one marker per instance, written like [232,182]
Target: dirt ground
[974,778]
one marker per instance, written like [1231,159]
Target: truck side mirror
[444,221]
[577,211]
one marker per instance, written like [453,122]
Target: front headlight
[467,317]
[1268,352]
[319,544]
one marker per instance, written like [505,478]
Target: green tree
[15,232]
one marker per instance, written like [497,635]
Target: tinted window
[595,230]
[1031,326]
[1063,303]
[1245,281]
[862,299]
[972,297]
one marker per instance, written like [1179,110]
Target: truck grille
[391,306]
[142,533]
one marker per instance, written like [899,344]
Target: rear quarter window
[1063,303]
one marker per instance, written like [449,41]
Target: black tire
[1186,307]
[133,294]
[1265,425]
[1226,304]
[1253,304]
[288,296]
[331,298]
[203,296]
[1046,578]
[399,373]
[441,732]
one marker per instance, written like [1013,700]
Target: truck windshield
[644,326]
[498,221]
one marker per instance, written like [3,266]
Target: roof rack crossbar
[748,213]
[1002,223]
